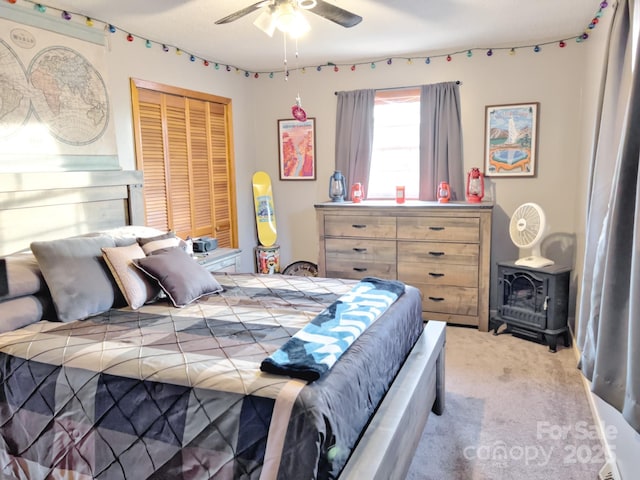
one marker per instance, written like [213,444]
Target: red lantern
[475,186]
[444,192]
[357,192]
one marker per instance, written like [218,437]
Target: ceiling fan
[283,13]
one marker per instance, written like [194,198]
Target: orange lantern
[357,192]
[444,192]
[475,186]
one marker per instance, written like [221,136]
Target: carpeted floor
[513,410]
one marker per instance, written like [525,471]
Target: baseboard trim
[609,470]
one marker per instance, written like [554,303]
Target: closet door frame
[176,191]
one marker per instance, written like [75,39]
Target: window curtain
[354,135]
[609,316]
[441,140]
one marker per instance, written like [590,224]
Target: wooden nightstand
[220,260]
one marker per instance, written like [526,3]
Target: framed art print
[511,133]
[297,149]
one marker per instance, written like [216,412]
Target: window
[183,147]
[395,158]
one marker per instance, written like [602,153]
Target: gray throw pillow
[180,276]
[23,277]
[20,312]
[77,276]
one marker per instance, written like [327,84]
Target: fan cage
[527,225]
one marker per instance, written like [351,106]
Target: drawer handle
[437,299]
[359,249]
[436,275]
[360,269]
[436,254]
[358,225]
[437,229]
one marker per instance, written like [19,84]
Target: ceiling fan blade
[336,14]
[241,13]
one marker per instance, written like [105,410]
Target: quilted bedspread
[169,393]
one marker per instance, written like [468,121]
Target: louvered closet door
[201,167]
[151,158]
[182,146]
[179,184]
[222,170]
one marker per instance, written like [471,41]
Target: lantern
[357,192]
[337,187]
[444,192]
[475,186]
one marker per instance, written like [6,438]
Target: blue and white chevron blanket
[313,350]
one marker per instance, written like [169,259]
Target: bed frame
[389,443]
[54,205]
[46,206]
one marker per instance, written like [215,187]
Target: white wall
[552,77]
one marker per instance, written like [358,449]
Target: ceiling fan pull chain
[286,66]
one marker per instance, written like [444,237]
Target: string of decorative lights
[130,37]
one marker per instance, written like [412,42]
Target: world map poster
[54,103]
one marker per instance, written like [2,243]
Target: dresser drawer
[220,260]
[440,252]
[448,299]
[360,226]
[351,258]
[435,273]
[446,229]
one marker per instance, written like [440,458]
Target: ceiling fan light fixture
[266,22]
[307,4]
[291,21]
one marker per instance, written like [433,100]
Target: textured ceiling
[391,28]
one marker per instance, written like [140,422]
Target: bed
[166,391]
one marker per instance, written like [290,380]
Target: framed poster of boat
[511,133]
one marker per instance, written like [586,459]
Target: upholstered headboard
[50,205]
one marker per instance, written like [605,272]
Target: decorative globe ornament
[298,112]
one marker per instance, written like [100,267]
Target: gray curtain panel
[609,318]
[354,135]
[441,140]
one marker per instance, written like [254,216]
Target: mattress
[164,392]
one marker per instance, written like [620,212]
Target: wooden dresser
[442,249]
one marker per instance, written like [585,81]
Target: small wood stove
[533,302]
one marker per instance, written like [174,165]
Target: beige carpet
[513,410]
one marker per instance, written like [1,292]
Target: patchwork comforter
[169,393]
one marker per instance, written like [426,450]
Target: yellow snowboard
[265,213]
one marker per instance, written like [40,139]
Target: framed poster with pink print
[297,149]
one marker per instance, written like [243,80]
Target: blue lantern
[337,188]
